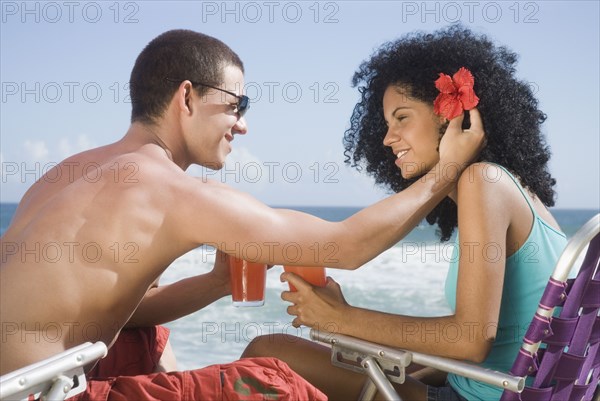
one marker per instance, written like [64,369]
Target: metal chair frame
[385,365]
[56,378]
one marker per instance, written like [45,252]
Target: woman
[507,241]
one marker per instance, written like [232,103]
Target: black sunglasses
[242,105]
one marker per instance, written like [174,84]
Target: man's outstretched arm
[246,228]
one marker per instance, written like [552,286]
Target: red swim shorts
[126,374]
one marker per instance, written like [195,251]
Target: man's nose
[240,127]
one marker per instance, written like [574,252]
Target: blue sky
[65,67]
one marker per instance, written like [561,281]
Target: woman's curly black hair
[509,110]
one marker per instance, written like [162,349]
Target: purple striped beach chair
[559,359]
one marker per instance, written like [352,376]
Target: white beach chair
[566,367]
[56,378]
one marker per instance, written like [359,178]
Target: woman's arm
[467,334]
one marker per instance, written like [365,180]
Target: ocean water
[408,279]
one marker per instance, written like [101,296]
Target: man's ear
[183,96]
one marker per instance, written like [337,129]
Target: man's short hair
[177,54]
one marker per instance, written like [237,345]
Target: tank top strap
[519,186]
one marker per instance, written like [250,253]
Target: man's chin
[213,165]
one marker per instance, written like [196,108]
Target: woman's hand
[316,307]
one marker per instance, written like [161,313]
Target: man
[112,236]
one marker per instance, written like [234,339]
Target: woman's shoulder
[484,175]
[486,185]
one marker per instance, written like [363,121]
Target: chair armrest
[59,376]
[362,349]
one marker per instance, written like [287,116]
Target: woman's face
[413,132]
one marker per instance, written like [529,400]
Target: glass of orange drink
[313,275]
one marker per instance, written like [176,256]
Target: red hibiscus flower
[456,94]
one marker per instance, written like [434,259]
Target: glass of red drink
[248,282]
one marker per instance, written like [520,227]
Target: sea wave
[406,279]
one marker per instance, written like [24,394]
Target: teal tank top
[526,273]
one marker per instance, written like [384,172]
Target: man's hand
[220,271]
[317,307]
[459,147]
